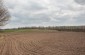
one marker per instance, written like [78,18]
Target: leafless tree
[4,14]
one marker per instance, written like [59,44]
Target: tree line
[57,28]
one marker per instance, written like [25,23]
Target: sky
[45,13]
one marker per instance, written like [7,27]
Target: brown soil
[43,43]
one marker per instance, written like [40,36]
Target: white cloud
[46,12]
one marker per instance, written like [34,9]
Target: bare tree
[4,14]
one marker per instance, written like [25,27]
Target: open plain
[42,43]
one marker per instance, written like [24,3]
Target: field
[42,42]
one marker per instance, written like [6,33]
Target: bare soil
[42,43]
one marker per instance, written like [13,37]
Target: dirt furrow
[65,43]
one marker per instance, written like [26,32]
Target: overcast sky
[45,12]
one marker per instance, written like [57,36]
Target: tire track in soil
[8,47]
[2,45]
[14,46]
[36,49]
[20,45]
[30,46]
[24,47]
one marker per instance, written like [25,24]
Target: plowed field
[42,43]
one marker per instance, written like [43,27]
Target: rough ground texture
[42,43]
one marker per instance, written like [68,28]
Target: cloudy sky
[45,12]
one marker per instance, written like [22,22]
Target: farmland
[41,42]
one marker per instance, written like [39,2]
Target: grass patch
[25,30]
